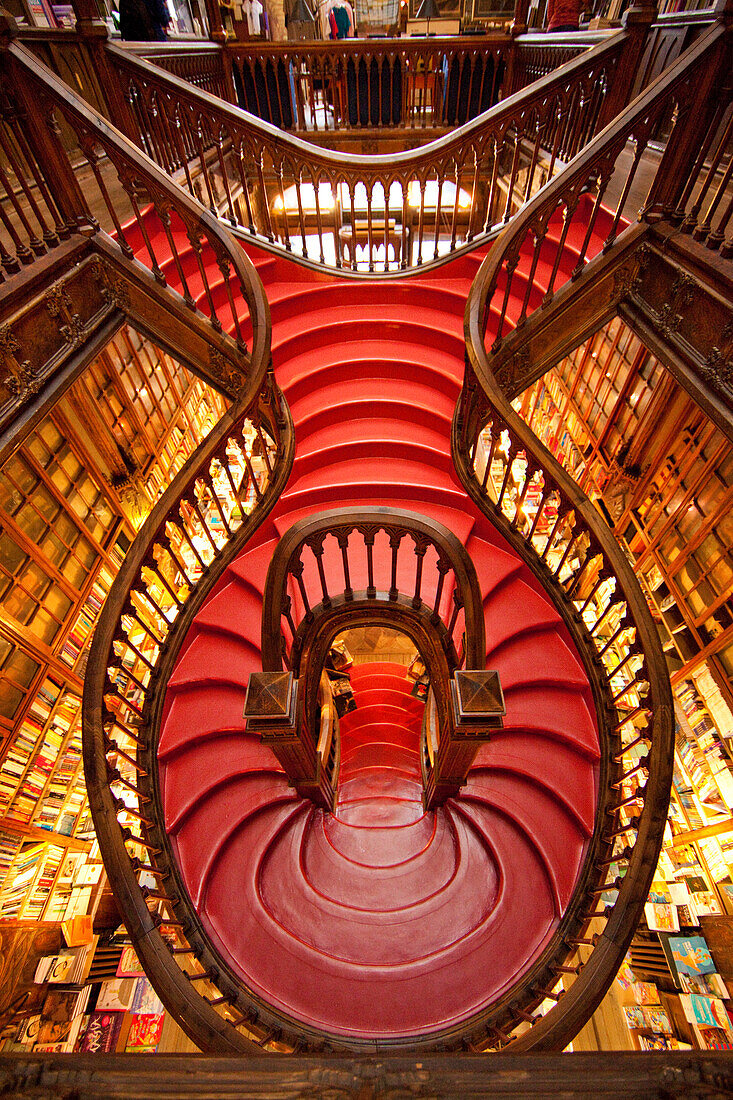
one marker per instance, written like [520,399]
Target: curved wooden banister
[564,540]
[371,558]
[692,156]
[516,481]
[355,531]
[356,86]
[212,507]
[128,196]
[406,210]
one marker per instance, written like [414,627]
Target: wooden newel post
[94,34]
[519,22]
[476,708]
[273,709]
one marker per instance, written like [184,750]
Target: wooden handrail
[351,528]
[417,84]
[46,179]
[306,604]
[516,481]
[693,155]
[417,207]
[212,507]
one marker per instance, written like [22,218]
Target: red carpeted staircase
[381,920]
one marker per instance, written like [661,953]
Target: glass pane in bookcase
[16,673]
[27,738]
[19,879]
[10,699]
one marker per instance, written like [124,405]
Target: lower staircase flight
[383,924]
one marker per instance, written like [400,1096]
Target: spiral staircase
[376,907]
[383,924]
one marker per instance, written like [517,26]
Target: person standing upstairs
[144,20]
[563,15]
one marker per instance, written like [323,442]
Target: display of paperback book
[129,964]
[691,955]
[61,1017]
[145,1031]
[145,999]
[706,1012]
[102,1033]
[645,993]
[661,916]
[116,994]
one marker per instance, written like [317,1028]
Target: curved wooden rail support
[387,213]
[282,706]
[540,510]
[213,506]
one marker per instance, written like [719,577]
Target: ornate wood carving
[615,1075]
[21,381]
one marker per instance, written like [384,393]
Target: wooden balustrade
[565,541]
[210,510]
[396,84]
[201,64]
[689,188]
[558,532]
[369,213]
[155,223]
[344,565]
[417,84]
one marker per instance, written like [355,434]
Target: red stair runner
[381,920]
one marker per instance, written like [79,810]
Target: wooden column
[216,26]
[475,710]
[273,710]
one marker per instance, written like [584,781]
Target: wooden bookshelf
[71,498]
[662,474]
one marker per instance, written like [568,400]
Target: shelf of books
[93,998]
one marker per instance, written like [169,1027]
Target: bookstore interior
[629,435]
[79,486]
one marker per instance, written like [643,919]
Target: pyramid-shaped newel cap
[477,699]
[271,698]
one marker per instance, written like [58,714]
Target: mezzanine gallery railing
[372,213]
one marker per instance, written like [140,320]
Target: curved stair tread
[557,767]
[357,794]
[538,657]
[199,766]
[547,824]
[358,887]
[212,828]
[380,845]
[365,810]
[218,657]
[339,372]
[193,716]
[378,937]
[514,604]
[554,710]
[237,607]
